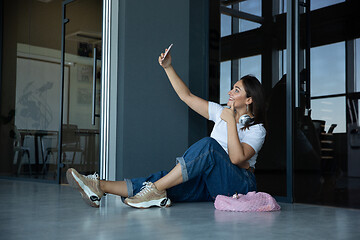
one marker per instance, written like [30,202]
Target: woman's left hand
[228,114]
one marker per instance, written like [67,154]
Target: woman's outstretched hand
[228,114]
[165,62]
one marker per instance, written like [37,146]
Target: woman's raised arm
[196,103]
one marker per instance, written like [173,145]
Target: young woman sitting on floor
[223,163]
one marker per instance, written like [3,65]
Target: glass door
[47,85]
[82,33]
[326,167]
[30,83]
[242,52]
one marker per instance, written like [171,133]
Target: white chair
[20,151]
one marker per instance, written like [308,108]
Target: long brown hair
[254,89]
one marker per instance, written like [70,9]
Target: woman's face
[237,95]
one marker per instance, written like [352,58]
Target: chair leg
[28,156]
[20,159]
[64,157]
[73,158]
[82,158]
[44,163]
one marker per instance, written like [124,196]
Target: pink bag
[251,202]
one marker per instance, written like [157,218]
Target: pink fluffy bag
[251,202]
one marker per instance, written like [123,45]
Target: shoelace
[93,176]
[147,186]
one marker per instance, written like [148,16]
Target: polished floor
[32,210]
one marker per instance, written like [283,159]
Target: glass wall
[80,130]
[252,7]
[250,65]
[271,163]
[240,25]
[31,88]
[326,155]
[325,125]
[315,4]
[225,81]
[324,84]
[225,25]
[330,110]
[328,66]
[30,96]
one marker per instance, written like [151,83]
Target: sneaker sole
[85,192]
[162,202]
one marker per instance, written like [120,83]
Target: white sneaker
[88,186]
[148,196]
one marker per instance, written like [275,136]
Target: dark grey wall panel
[198,64]
[153,123]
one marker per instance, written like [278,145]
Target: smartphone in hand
[168,50]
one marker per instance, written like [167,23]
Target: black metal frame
[1,44]
[292,90]
[343,16]
[329,96]
[64,22]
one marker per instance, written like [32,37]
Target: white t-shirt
[254,136]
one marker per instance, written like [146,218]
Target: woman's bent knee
[208,141]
